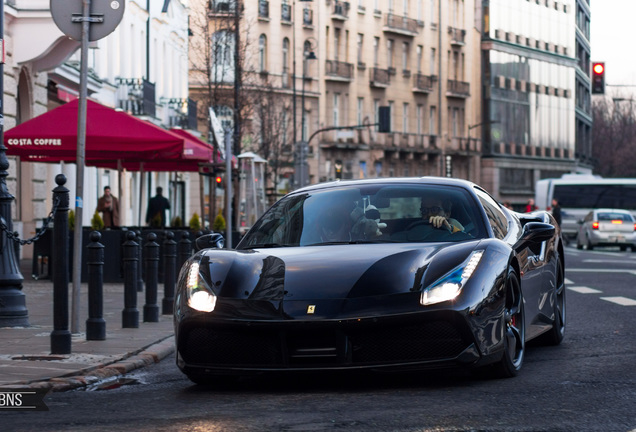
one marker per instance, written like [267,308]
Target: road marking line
[600,270]
[584,290]
[568,281]
[623,301]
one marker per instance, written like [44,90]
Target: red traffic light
[219,179]
[598,68]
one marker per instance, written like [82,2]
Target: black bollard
[140,273]
[151,260]
[130,314]
[185,250]
[170,271]
[95,324]
[61,335]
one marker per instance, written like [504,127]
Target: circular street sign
[105,16]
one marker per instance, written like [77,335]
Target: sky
[613,36]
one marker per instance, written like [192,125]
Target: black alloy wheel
[555,335]
[514,326]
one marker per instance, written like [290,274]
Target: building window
[432,66]
[405,118]
[360,115]
[336,103]
[405,56]
[262,53]
[376,112]
[360,40]
[285,72]
[431,121]
[389,53]
[223,56]
[419,51]
[418,120]
[376,49]
[392,111]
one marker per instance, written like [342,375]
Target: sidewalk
[25,354]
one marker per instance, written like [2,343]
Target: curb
[147,356]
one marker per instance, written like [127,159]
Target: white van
[578,194]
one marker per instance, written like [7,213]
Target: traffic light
[598,78]
[219,181]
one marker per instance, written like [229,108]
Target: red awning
[194,153]
[111,135]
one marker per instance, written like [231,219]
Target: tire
[555,335]
[623,248]
[514,329]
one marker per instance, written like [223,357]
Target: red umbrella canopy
[111,135]
[194,152]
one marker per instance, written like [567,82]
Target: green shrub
[176,222]
[97,223]
[219,223]
[195,222]
[71,220]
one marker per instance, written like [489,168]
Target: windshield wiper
[267,245]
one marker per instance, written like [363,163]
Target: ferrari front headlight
[200,297]
[449,286]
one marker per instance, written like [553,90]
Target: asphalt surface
[26,360]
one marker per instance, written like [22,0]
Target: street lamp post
[308,54]
[13,311]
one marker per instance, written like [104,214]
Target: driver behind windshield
[437,212]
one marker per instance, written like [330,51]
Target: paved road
[586,384]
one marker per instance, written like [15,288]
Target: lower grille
[332,347]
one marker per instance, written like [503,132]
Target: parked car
[354,275]
[607,227]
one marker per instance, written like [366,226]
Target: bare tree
[614,136]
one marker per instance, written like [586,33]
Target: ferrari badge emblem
[311,309]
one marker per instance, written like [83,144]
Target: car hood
[331,272]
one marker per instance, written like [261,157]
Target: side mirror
[207,241]
[535,232]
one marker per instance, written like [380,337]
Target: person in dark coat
[157,206]
[108,206]
[556,210]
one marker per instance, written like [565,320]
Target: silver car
[607,227]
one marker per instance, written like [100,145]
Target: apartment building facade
[330,65]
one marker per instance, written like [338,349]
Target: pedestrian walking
[108,206]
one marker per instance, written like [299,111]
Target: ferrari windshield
[371,213]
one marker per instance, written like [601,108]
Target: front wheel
[514,329]
[555,335]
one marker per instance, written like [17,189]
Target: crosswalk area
[619,300]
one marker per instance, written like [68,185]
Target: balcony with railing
[182,113]
[263,10]
[401,25]
[457,36]
[379,78]
[423,83]
[136,96]
[340,10]
[338,71]
[221,8]
[458,89]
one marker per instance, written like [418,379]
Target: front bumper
[411,341]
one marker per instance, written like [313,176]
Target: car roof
[427,180]
[611,210]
